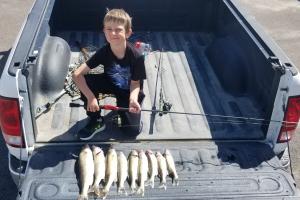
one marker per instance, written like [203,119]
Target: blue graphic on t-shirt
[119,75]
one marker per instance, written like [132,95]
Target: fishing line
[232,122]
[289,153]
[285,123]
[19,173]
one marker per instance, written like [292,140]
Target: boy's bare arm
[78,78]
[134,105]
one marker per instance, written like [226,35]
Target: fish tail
[122,190]
[103,193]
[141,190]
[147,183]
[133,186]
[163,185]
[97,190]
[152,182]
[82,197]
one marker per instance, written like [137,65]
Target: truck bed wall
[154,15]
[239,62]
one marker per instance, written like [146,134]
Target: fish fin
[176,182]
[74,155]
[174,179]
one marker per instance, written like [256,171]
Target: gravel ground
[279,18]
[12,15]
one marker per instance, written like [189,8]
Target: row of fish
[139,169]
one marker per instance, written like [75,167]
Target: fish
[171,167]
[111,171]
[86,171]
[142,172]
[99,168]
[122,172]
[162,170]
[153,168]
[133,162]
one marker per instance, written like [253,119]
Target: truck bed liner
[206,170]
[189,83]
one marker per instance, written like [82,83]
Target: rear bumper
[206,170]
[17,169]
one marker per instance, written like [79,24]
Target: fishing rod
[116,108]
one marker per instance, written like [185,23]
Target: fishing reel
[117,121]
[165,108]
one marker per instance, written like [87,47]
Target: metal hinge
[31,60]
[276,64]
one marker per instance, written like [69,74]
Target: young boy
[124,72]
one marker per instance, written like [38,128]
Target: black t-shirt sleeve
[138,72]
[97,59]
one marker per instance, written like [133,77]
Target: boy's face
[115,33]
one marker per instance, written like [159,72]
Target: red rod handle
[111,107]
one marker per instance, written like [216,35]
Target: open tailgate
[206,170]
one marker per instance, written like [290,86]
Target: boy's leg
[131,122]
[98,84]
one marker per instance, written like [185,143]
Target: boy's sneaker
[93,127]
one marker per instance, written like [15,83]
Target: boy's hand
[134,106]
[92,105]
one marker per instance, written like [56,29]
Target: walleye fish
[133,162]
[142,172]
[122,172]
[99,166]
[111,172]
[153,169]
[162,170]
[171,167]
[86,171]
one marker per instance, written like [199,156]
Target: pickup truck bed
[206,170]
[215,61]
[188,82]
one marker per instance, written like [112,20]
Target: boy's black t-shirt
[120,71]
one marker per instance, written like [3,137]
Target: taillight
[10,121]
[291,118]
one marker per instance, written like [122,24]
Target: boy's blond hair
[119,16]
